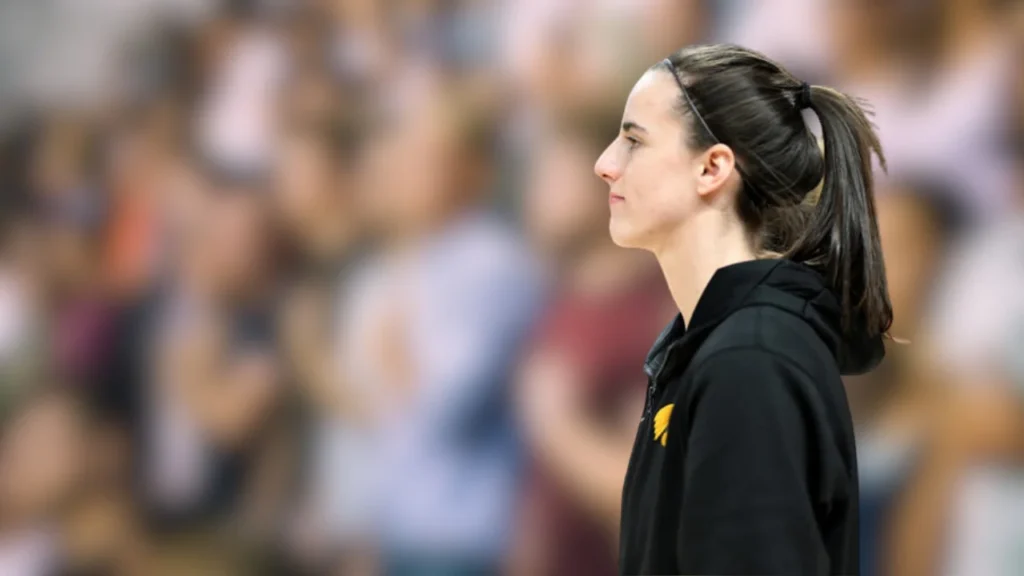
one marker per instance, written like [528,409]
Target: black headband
[689,101]
[756,198]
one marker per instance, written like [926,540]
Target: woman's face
[410,166]
[652,176]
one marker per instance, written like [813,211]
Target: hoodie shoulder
[776,332]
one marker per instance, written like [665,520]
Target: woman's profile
[744,462]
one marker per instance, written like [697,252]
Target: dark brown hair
[753,105]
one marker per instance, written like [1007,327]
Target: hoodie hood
[782,284]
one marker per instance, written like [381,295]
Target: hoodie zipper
[652,381]
[650,397]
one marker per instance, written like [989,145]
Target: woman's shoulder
[765,330]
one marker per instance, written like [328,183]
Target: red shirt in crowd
[606,338]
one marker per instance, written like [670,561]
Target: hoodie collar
[778,283]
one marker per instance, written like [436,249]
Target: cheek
[642,218]
[658,199]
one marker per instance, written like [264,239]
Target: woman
[744,462]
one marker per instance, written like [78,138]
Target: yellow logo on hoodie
[661,423]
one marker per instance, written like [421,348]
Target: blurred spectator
[917,221]
[961,513]
[580,389]
[82,323]
[145,169]
[254,241]
[433,323]
[229,289]
[36,491]
[918,64]
[69,213]
[199,377]
[319,175]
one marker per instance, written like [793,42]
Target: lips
[615,199]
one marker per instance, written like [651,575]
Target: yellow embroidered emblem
[661,424]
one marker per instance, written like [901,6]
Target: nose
[606,168]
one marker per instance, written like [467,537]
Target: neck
[690,257]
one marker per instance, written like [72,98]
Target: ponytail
[738,97]
[840,238]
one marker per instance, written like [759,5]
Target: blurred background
[325,286]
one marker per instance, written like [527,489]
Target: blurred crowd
[325,286]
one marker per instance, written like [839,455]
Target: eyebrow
[630,125]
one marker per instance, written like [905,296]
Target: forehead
[652,102]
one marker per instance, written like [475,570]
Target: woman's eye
[633,142]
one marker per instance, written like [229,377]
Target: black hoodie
[745,462]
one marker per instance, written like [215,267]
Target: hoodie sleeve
[746,507]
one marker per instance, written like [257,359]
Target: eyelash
[633,142]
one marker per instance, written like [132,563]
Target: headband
[689,101]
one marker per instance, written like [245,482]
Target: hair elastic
[803,100]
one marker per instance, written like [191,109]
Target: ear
[716,167]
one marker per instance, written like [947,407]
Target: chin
[624,235]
